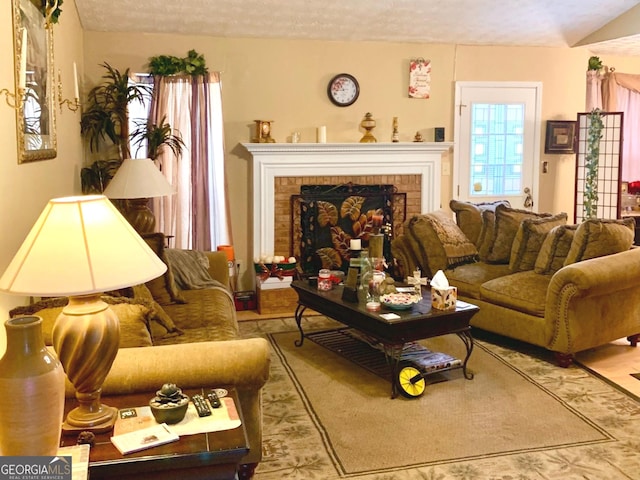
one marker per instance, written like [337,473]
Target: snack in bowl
[399,300]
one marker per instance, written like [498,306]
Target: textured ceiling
[555,23]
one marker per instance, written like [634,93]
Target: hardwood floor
[615,361]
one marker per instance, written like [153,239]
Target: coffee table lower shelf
[407,365]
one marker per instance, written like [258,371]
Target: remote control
[201,406]
[213,399]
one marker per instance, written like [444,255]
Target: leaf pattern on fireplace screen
[321,237]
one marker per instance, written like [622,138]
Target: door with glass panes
[497,142]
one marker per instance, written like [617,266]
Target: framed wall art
[560,137]
[419,78]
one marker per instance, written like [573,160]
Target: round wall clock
[343,90]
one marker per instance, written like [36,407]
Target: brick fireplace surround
[279,170]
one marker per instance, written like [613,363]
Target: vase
[32,385]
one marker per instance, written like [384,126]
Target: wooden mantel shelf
[322,148]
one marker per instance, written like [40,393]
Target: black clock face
[343,90]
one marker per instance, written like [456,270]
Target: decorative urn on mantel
[368,123]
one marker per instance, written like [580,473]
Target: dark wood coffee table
[213,455]
[417,323]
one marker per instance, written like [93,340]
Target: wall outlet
[239,266]
[446,169]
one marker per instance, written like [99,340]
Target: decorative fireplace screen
[325,218]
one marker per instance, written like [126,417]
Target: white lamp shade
[80,245]
[138,178]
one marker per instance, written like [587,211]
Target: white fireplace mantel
[271,160]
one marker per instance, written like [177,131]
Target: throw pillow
[443,243]
[486,234]
[161,325]
[164,288]
[469,217]
[529,238]
[507,224]
[134,318]
[598,237]
[554,249]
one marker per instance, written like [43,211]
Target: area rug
[520,417]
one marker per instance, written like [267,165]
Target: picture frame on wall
[560,137]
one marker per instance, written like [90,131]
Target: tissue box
[444,298]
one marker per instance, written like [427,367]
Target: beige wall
[26,188]
[285,81]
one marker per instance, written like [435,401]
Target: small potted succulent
[169,405]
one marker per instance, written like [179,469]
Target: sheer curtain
[620,92]
[197,216]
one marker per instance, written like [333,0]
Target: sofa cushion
[469,217]
[468,278]
[529,239]
[597,238]
[525,292]
[554,249]
[134,318]
[209,307]
[506,226]
[442,242]
[164,288]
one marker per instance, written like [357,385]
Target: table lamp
[137,180]
[79,247]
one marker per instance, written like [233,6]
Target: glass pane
[139,114]
[496,149]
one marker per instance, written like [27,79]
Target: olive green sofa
[566,288]
[187,336]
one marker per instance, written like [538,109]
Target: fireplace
[279,170]
[325,218]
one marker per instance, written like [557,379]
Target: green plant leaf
[592,158]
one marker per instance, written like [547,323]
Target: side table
[214,455]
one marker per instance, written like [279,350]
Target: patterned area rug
[519,418]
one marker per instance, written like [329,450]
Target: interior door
[497,142]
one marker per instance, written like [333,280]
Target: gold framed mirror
[34,82]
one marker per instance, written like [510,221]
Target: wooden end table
[213,455]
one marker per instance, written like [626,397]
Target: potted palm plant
[157,137]
[105,126]
[106,118]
